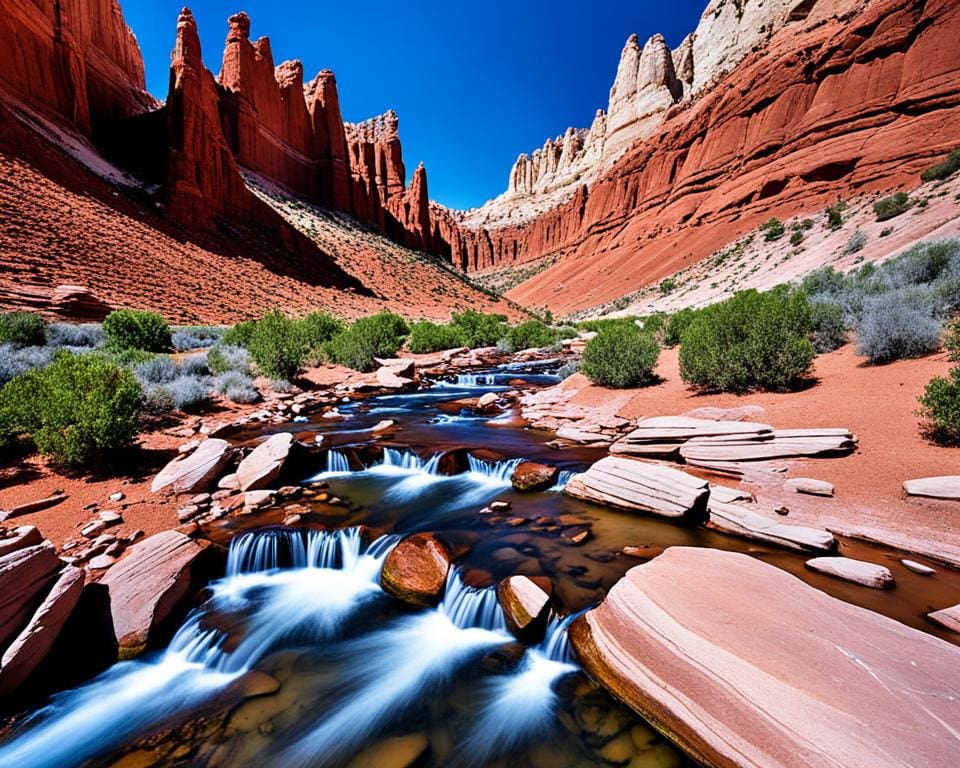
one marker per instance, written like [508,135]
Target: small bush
[236,387]
[531,334]
[157,370]
[828,326]
[195,337]
[856,242]
[796,237]
[22,329]
[188,392]
[67,335]
[77,410]
[379,335]
[773,229]
[676,325]
[621,356]
[477,329]
[432,337]
[130,329]
[751,341]
[667,285]
[892,206]
[194,365]
[952,340]
[897,325]
[16,361]
[239,335]
[223,358]
[834,214]
[944,169]
[277,346]
[940,406]
[317,329]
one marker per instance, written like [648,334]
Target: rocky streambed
[390,597]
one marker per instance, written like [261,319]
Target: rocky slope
[831,107]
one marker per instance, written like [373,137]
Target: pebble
[118,496]
[913,565]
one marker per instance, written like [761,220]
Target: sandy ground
[877,403]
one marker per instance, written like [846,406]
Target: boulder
[416,569]
[525,606]
[809,486]
[400,366]
[20,538]
[945,487]
[31,646]
[195,471]
[395,378]
[531,476]
[947,617]
[147,584]
[742,521]
[857,571]
[261,468]
[486,401]
[24,576]
[644,487]
[745,666]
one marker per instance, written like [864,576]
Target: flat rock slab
[20,538]
[195,471]
[263,465]
[31,646]
[642,486]
[416,570]
[945,487]
[740,520]
[947,617]
[857,571]
[745,666]
[663,435]
[780,444]
[146,585]
[809,486]
[24,575]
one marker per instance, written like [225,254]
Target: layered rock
[815,682]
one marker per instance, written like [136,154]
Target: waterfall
[562,479]
[475,380]
[282,547]
[556,642]
[471,607]
[337,462]
[407,460]
[496,471]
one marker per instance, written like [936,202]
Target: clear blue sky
[475,83]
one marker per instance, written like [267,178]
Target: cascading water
[496,471]
[563,478]
[471,607]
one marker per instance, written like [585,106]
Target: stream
[365,681]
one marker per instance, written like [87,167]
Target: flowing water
[298,658]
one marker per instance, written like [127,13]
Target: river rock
[644,487]
[857,571]
[30,647]
[947,617]
[531,476]
[24,575]
[748,523]
[416,569]
[525,607]
[395,752]
[20,538]
[486,401]
[809,486]
[745,666]
[913,565]
[945,487]
[146,585]
[195,471]
[265,462]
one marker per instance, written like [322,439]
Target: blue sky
[475,83]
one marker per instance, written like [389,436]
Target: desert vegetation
[621,355]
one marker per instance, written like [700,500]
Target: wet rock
[252,684]
[500,506]
[748,523]
[382,426]
[486,401]
[809,486]
[645,552]
[147,584]
[531,476]
[30,647]
[913,565]
[254,500]
[800,688]
[263,466]
[416,569]
[525,607]
[24,575]
[396,752]
[857,571]
[195,471]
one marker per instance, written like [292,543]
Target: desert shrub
[952,339]
[828,325]
[944,169]
[621,356]
[224,357]
[131,329]
[189,392]
[602,323]
[667,285]
[750,341]
[432,337]
[896,325]
[796,237]
[676,324]
[856,242]
[886,232]
[77,410]
[823,280]
[889,207]
[238,335]
[477,329]
[317,329]
[940,406]
[157,370]
[834,214]
[379,335]
[194,365]
[236,386]
[531,334]
[922,263]
[22,329]
[195,337]
[68,335]
[15,361]
[277,346]
[772,229]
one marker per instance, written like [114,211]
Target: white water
[562,479]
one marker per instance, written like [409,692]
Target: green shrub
[952,340]
[751,341]
[603,323]
[317,329]
[239,335]
[892,206]
[796,237]
[77,410]
[773,229]
[223,358]
[828,326]
[531,334]
[676,325]
[834,214]
[432,337]
[132,329]
[944,169]
[667,285]
[856,242]
[22,329]
[621,356]
[940,406]
[379,335]
[277,346]
[477,329]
